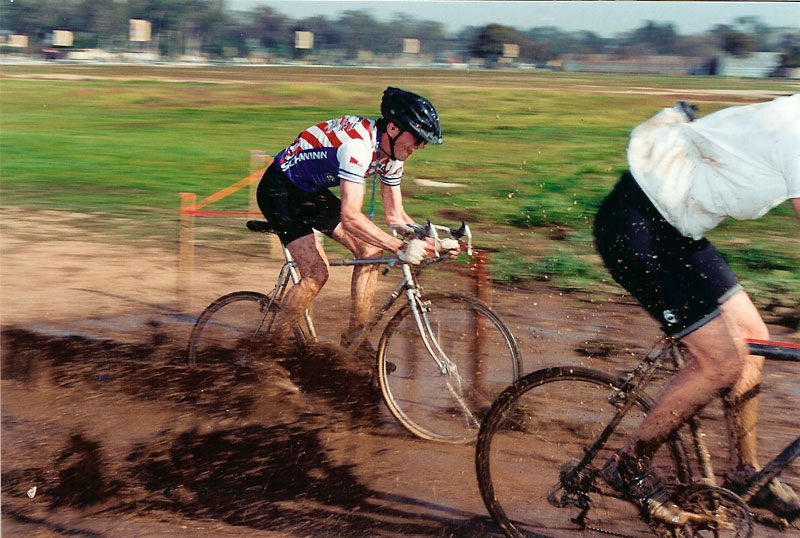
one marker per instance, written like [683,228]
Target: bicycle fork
[447,368]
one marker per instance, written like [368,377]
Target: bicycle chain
[608,532]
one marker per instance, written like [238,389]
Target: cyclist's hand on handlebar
[452,246]
[414,251]
[431,247]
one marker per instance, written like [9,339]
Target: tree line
[207,27]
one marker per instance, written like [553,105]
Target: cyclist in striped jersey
[295,197]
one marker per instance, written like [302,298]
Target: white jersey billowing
[739,162]
[344,148]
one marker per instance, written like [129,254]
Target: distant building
[756,65]
[609,63]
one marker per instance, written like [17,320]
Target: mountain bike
[442,358]
[546,437]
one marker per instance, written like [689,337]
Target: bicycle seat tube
[291,267]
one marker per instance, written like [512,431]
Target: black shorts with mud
[292,212]
[679,280]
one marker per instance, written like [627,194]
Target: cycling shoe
[365,350]
[640,484]
[776,496]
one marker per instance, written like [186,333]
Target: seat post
[286,253]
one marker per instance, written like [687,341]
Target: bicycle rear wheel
[481,355]
[228,324]
[536,432]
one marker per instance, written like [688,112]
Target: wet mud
[107,431]
[246,445]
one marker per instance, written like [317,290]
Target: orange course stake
[186,249]
[482,289]
[219,195]
[483,292]
[190,207]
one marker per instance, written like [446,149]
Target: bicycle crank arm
[770,520]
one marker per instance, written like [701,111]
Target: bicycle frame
[641,376]
[784,352]
[407,284]
[413,292]
[624,398]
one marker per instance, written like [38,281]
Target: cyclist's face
[405,142]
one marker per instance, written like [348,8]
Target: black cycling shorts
[292,212]
[679,280]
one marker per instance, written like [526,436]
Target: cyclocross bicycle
[546,437]
[442,357]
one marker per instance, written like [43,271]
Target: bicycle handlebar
[781,351]
[422,231]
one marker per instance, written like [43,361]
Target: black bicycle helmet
[413,113]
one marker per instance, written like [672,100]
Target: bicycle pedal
[770,520]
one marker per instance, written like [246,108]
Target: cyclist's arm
[357,224]
[796,205]
[395,214]
[393,210]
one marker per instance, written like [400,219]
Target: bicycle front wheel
[228,324]
[535,435]
[444,394]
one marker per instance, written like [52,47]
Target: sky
[604,18]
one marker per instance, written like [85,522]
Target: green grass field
[534,152]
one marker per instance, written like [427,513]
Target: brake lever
[464,231]
[431,232]
[390,264]
[468,235]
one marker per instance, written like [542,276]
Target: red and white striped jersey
[341,149]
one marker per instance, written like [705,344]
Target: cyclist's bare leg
[364,280]
[718,360]
[716,365]
[741,403]
[741,413]
[312,264]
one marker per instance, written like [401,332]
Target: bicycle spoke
[224,330]
[447,369]
[530,447]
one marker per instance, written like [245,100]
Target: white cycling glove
[413,253]
[448,244]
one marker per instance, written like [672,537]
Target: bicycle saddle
[259,226]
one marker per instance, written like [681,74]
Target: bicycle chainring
[718,510]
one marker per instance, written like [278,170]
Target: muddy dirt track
[102,416]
